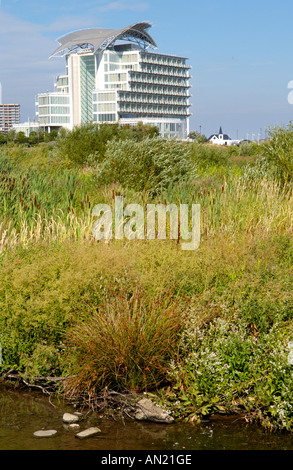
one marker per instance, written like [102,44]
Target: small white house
[222,139]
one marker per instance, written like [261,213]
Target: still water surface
[23,413]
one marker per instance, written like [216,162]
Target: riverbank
[24,412]
[203,332]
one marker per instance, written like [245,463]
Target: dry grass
[125,344]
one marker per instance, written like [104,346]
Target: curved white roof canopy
[100,39]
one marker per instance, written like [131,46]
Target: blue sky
[240,53]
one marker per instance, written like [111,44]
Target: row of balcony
[160,111]
[147,114]
[184,77]
[152,101]
[156,60]
[154,90]
[146,80]
[173,72]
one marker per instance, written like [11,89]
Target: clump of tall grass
[25,194]
[37,204]
[54,229]
[238,205]
[125,344]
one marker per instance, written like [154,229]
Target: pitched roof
[100,38]
[225,136]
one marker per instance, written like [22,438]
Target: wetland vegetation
[203,332]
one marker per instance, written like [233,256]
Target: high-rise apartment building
[9,115]
[113,76]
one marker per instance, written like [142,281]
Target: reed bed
[237,207]
[37,205]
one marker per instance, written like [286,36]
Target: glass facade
[62,84]
[54,109]
[87,85]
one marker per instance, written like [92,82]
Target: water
[24,412]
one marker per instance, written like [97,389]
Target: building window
[105,107]
[43,100]
[105,97]
[106,117]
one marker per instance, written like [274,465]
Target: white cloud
[25,68]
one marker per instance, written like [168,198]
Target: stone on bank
[147,411]
[87,433]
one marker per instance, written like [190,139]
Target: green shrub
[279,151]
[44,290]
[150,165]
[249,149]
[205,156]
[88,142]
[236,344]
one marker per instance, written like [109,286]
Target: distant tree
[33,138]
[3,139]
[21,138]
[141,131]
[10,136]
[41,135]
[78,144]
[197,137]
[52,135]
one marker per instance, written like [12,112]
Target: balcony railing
[156,70]
[153,112]
[164,102]
[158,82]
[158,74]
[146,60]
[174,92]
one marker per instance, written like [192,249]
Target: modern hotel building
[113,76]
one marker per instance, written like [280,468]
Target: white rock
[73,426]
[88,433]
[69,418]
[45,433]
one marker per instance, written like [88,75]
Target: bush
[125,344]
[279,151]
[248,149]
[44,290]
[89,141]
[3,139]
[237,355]
[149,165]
[205,156]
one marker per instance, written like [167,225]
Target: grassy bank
[205,331]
